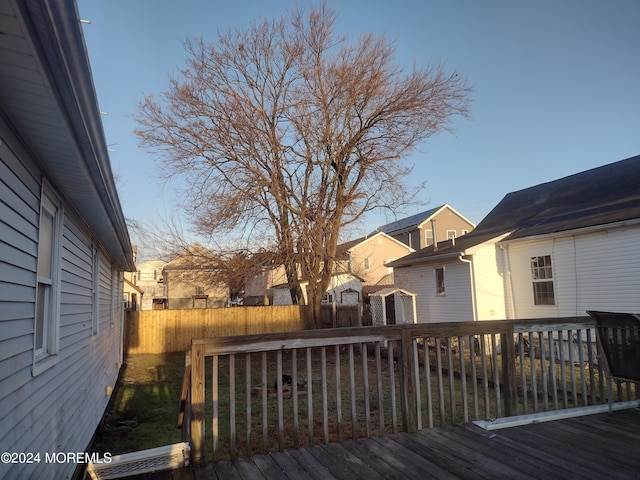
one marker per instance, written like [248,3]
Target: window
[451,234]
[199,291]
[366,263]
[47,287]
[440,290]
[542,277]
[428,237]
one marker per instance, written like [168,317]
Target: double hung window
[542,277]
[47,311]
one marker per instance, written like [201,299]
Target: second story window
[366,263]
[428,238]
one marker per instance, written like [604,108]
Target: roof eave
[55,32]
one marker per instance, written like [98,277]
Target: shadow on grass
[143,409]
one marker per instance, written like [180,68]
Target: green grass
[143,411]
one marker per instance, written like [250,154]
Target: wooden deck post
[509,387]
[407,383]
[197,403]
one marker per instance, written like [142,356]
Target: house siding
[58,409]
[454,306]
[488,269]
[378,249]
[592,271]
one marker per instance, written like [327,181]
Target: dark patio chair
[619,342]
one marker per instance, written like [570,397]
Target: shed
[393,305]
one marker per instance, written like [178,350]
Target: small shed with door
[391,306]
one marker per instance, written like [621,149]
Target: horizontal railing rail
[262,393]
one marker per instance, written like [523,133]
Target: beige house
[189,281]
[367,257]
[421,230]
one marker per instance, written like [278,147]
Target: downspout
[508,282]
[433,234]
[474,306]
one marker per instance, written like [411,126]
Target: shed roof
[600,196]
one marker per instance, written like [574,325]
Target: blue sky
[555,86]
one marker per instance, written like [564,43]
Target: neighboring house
[552,250]
[64,243]
[420,230]
[270,288]
[132,295]
[189,281]
[148,278]
[367,257]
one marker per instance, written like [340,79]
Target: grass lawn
[143,410]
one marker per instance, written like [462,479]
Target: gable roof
[342,250]
[48,97]
[600,196]
[194,257]
[409,222]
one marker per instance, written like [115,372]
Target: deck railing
[262,393]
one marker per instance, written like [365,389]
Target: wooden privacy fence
[262,393]
[164,331]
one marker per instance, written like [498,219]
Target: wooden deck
[592,447]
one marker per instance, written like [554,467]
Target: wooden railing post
[509,386]
[407,383]
[197,403]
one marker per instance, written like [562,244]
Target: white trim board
[519,420]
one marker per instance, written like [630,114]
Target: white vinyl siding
[489,276]
[59,408]
[455,306]
[592,271]
[95,297]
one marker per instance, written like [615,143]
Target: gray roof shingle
[600,196]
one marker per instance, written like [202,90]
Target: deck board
[589,447]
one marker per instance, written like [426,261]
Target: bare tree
[286,127]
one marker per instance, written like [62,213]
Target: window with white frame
[428,237]
[366,263]
[451,234]
[542,278]
[440,286]
[46,331]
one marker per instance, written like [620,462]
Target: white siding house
[63,242]
[553,250]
